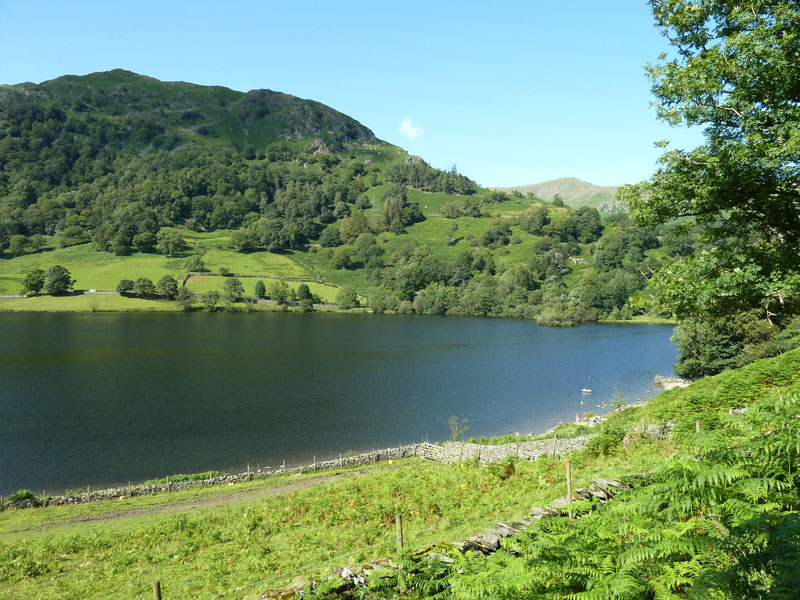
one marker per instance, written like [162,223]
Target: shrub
[21,496]
[607,442]
[505,468]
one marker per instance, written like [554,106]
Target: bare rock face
[485,542]
[670,382]
[415,160]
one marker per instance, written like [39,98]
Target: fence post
[156,590]
[643,430]
[398,520]
[569,486]
[129,489]
[554,443]
[697,426]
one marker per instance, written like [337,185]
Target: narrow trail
[234,496]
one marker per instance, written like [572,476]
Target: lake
[100,399]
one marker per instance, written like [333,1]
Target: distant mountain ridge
[198,114]
[574,192]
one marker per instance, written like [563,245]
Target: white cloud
[408,129]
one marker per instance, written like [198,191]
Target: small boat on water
[586,391]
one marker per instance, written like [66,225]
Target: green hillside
[171,114]
[120,176]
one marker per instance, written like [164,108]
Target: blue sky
[512,93]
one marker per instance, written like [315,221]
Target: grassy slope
[574,192]
[49,553]
[199,552]
[103,270]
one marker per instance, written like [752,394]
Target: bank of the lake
[101,399]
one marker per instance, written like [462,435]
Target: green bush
[505,468]
[180,477]
[607,442]
[22,495]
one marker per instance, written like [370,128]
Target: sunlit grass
[85,303]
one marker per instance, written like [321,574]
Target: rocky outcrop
[670,382]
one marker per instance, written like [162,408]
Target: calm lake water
[100,399]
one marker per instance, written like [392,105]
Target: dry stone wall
[449,452]
[457,451]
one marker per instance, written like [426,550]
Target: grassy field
[255,263]
[89,268]
[245,533]
[202,284]
[85,303]
[92,269]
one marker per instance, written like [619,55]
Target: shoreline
[425,450]
[446,452]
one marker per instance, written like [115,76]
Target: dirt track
[233,496]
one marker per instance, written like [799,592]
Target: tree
[279,292]
[735,74]
[353,226]
[184,299]
[458,427]
[17,245]
[232,289]
[143,287]
[57,280]
[124,287]
[145,241]
[533,219]
[260,289]
[330,237]
[195,264]
[170,242]
[244,241]
[167,287]
[451,232]
[346,298]
[342,257]
[303,292]
[33,283]
[210,300]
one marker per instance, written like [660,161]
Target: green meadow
[201,284]
[199,543]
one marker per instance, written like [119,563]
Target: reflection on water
[93,399]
